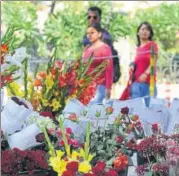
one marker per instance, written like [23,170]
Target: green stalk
[49,142]
[67,147]
[25,78]
[87,143]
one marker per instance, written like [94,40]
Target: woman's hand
[131,69]
[142,77]
[108,94]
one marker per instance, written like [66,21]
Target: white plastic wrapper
[134,105]
[158,101]
[174,115]
[25,138]
[13,117]
[155,115]
[74,106]
[96,110]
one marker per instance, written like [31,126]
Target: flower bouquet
[115,142]
[160,153]
[63,81]
[16,162]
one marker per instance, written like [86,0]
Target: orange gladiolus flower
[4,48]
[42,74]
[37,82]
[80,82]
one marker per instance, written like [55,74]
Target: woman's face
[93,35]
[144,32]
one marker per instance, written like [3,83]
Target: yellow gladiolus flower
[84,167]
[55,104]
[58,164]
[75,155]
[44,102]
[59,153]
[49,82]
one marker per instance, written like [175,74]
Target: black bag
[116,66]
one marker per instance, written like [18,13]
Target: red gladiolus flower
[72,166]
[62,81]
[58,65]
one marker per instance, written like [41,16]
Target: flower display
[16,161]
[159,151]
[61,82]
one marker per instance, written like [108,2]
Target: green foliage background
[64,29]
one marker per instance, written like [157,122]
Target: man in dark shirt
[94,15]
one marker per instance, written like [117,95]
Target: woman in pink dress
[101,52]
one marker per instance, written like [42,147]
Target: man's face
[93,16]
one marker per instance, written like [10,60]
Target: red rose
[40,137]
[121,162]
[119,139]
[111,172]
[58,133]
[73,117]
[125,110]
[68,130]
[72,166]
[61,143]
[101,165]
[99,168]
[89,174]
[155,127]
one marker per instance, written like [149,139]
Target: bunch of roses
[15,161]
[129,123]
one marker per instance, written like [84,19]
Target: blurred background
[48,26]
